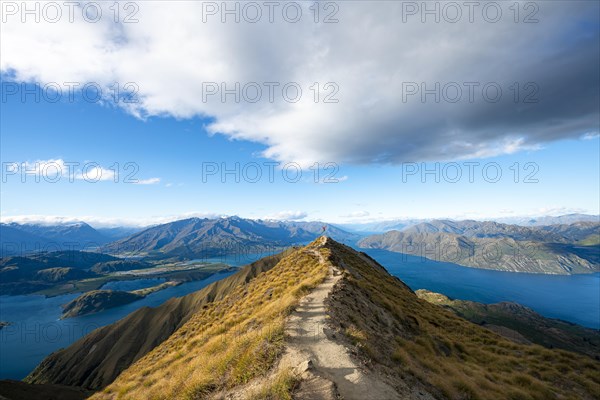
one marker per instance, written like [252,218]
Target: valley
[554,249]
[99,288]
[406,208]
[403,345]
[30,275]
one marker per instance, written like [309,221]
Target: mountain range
[400,224]
[550,220]
[556,249]
[553,249]
[20,239]
[199,237]
[321,321]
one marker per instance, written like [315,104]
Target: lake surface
[574,298]
[134,284]
[37,330]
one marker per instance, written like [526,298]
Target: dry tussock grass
[228,343]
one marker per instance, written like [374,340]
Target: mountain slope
[565,233]
[19,239]
[228,343]
[489,245]
[197,237]
[387,339]
[332,231]
[117,233]
[522,324]
[17,390]
[549,220]
[97,359]
[414,343]
[400,224]
[14,241]
[78,232]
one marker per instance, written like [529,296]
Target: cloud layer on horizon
[371,54]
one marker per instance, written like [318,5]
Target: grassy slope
[228,342]
[592,240]
[547,332]
[95,360]
[411,340]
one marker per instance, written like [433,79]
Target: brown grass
[418,343]
[228,343]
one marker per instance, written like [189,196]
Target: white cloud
[356,214]
[95,221]
[55,169]
[554,211]
[95,174]
[288,215]
[370,54]
[150,181]
[590,136]
[40,219]
[51,169]
[506,211]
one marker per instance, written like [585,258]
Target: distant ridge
[550,220]
[401,224]
[549,249]
[230,339]
[21,239]
[196,237]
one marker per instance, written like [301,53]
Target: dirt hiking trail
[325,365]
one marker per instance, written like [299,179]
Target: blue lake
[135,284]
[37,331]
[574,298]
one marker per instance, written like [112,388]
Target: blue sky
[375,131]
[175,150]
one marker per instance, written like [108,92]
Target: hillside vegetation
[231,343]
[522,324]
[228,342]
[97,359]
[417,343]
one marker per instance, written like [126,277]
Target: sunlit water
[574,298]
[37,331]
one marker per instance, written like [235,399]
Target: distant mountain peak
[371,326]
